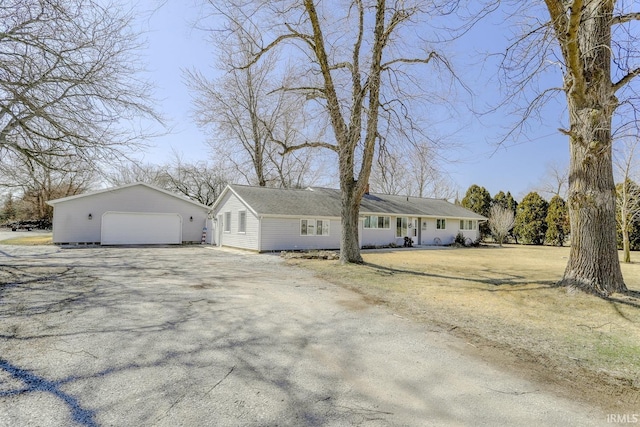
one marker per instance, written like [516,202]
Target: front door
[407,227]
[413,230]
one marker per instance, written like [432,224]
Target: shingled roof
[325,202]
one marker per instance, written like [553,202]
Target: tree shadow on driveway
[186,336]
[34,383]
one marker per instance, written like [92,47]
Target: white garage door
[141,228]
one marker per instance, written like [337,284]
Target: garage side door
[141,228]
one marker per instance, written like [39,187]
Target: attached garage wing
[141,228]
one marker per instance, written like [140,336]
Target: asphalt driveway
[197,336]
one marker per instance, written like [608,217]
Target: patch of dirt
[327,255]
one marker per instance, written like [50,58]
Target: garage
[131,214]
[141,228]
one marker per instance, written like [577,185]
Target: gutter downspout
[260,233]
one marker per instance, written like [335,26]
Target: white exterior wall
[280,234]
[470,234]
[379,236]
[446,236]
[71,223]
[247,240]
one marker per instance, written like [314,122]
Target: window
[402,224]
[227,222]
[242,222]
[303,227]
[313,227]
[372,221]
[467,224]
[441,223]
[322,227]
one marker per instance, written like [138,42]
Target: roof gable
[325,202]
[124,187]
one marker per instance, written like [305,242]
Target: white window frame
[403,227]
[467,224]
[227,222]
[242,222]
[322,227]
[315,227]
[441,223]
[368,222]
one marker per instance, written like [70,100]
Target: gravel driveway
[198,336]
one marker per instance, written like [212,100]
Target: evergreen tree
[478,200]
[557,222]
[505,200]
[531,219]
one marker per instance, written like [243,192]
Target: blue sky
[174,45]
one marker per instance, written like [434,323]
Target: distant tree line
[537,221]
[534,221]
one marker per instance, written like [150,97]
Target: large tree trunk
[349,239]
[584,32]
[593,264]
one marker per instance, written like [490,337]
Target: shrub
[460,240]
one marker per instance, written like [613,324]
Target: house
[273,219]
[131,214]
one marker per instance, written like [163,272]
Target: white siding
[470,234]
[247,240]
[378,236]
[71,223]
[446,236]
[284,234]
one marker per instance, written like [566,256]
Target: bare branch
[288,149]
[627,17]
[626,79]
[69,83]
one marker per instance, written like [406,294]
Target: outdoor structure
[271,219]
[131,214]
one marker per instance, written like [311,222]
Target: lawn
[40,239]
[505,299]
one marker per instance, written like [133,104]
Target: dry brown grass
[41,239]
[506,298]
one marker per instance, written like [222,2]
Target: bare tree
[582,40]
[68,84]
[36,182]
[389,174]
[428,178]
[131,172]
[627,192]
[411,170]
[555,181]
[352,69]
[249,119]
[200,181]
[501,221]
